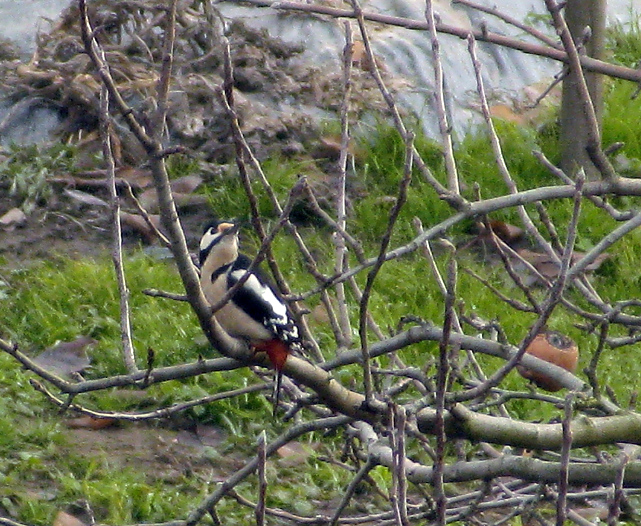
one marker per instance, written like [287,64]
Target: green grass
[62,299]
[25,171]
[57,300]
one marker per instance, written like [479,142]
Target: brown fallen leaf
[66,358]
[293,454]
[136,177]
[85,198]
[511,235]
[549,268]
[90,422]
[361,60]
[66,519]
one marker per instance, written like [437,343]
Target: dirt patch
[166,455]
[68,229]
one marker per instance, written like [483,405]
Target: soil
[67,229]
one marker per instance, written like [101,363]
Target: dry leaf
[66,519]
[85,198]
[138,224]
[549,268]
[90,422]
[136,177]
[293,454]
[66,358]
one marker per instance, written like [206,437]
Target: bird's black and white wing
[258,300]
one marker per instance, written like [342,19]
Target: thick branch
[461,422]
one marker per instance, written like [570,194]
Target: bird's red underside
[277,352]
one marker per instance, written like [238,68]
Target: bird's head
[219,235]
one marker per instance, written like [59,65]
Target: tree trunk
[579,14]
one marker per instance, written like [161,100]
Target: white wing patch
[263,292]
[278,321]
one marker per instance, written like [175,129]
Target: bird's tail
[277,352]
[276,396]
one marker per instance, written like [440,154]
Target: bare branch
[482,35]
[510,20]
[290,434]
[441,110]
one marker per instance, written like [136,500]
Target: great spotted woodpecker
[255,313]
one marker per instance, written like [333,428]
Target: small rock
[13,218]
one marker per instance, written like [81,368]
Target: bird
[255,313]
[553,347]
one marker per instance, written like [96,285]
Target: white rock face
[404,54]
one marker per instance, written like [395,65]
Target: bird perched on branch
[553,347]
[255,313]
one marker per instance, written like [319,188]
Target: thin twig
[371,276]
[244,151]
[510,301]
[427,253]
[250,467]
[597,201]
[341,196]
[97,56]
[453,198]
[618,494]
[364,470]
[128,353]
[441,110]
[354,244]
[498,152]
[265,246]
[259,512]
[554,297]
[164,79]
[399,480]
[590,371]
[510,20]
[561,503]
[593,145]
[163,412]
[482,35]
[155,293]
[145,214]
[441,388]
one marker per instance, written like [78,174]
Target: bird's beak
[228,229]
